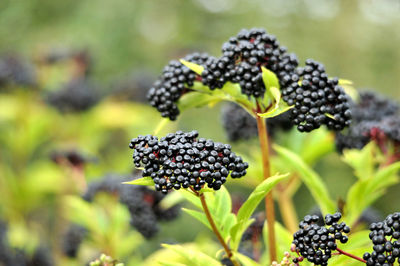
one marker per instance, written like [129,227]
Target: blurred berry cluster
[142,203]
[240,125]
[374,118]
[15,256]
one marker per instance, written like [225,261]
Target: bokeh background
[122,46]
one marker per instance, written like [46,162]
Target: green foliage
[310,178]
[192,256]
[372,180]
[248,207]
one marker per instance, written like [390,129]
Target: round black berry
[385,238]
[316,242]
[181,159]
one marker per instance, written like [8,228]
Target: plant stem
[287,210]
[350,255]
[269,201]
[212,223]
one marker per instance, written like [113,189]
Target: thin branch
[350,255]
[212,223]
[269,201]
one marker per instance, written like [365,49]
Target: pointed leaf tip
[198,69]
[144,181]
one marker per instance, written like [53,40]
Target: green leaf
[384,177]
[362,161]
[195,99]
[244,260]
[248,207]
[143,181]
[199,216]
[193,257]
[345,82]
[367,190]
[277,110]
[198,69]
[171,199]
[310,178]
[269,78]
[330,116]
[191,197]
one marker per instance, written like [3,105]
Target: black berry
[317,99]
[315,242]
[385,237]
[182,159]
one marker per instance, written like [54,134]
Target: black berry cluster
[316,243]
[182,159]
[175,80]
[374,117]
[241,62]
[316,97]
[142,203]
[76,96]
[240,125]
[72,240]
[250,50]
[386,239]
[14,70]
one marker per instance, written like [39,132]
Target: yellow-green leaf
[144,181]
[192,66]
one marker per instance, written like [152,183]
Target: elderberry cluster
[14,70]
[76,96]
[240,125]
[246,53]
[142,203]
[374,117]
[386,239]
[316,243]
[182,159]
[176,79]
[241,62]
[15,256]
[72,240]
[317,99]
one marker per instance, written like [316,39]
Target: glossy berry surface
[176,80]
[252,49]
[181,159]
[317,99]
[385,237]
[316,243]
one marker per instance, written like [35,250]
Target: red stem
[350,255]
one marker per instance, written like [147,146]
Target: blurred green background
[356,40]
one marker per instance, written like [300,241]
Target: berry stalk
[212,223]
[269,201]
[350,255]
